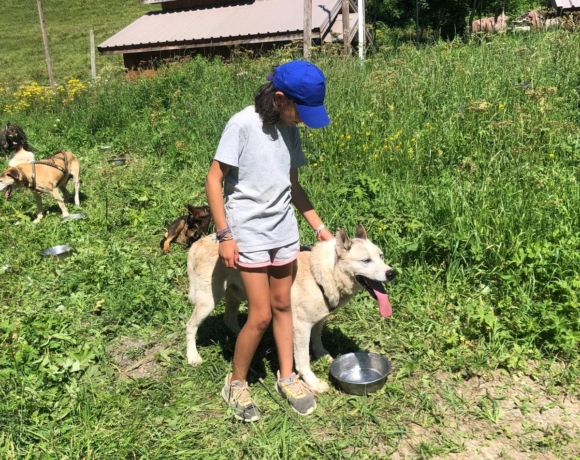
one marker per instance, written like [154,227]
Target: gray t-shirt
[257,187]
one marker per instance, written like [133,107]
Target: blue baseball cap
[304,84]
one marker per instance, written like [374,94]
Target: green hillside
[68,23]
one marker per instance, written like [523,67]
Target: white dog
[327,277]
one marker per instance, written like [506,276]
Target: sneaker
[298,394]
[237,395]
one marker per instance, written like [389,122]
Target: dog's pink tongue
[7,193]
[383,299]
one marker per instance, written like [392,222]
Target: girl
[257,162]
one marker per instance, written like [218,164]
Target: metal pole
[346,27]
[307,28]
[361,28]
[93,62]
[45,41]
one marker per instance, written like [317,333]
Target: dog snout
[390,274]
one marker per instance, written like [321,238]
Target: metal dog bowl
[78,215]
[118,161]
[360,373]
[105,147]
[60,252]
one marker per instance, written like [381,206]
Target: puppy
[13,139]
[187,229]
[45,176]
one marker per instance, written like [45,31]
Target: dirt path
[499,417]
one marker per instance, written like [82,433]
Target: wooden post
[93,63]
[45,41]
[307,28]
[346,27]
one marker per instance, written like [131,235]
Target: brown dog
[13,139]
[45,176]
[188,229]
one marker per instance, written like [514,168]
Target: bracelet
[222,235]
[222,232]
[319,229]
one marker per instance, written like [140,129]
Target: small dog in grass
[45,176]
[188,229]
[13,140]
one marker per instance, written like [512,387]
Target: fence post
[346,27]
[45,41]
[307,28]
[361,28]
[93,63]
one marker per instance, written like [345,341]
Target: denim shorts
[267,257]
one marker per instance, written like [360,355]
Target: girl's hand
[324,235]
[229,254]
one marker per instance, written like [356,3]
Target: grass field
[462,162]
[67,25]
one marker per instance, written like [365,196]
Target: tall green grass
[460,160]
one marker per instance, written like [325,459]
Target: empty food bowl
[360,373]
[60,252]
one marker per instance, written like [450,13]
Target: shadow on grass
[214,331]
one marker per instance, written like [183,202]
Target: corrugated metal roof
[566,4]
[263,17]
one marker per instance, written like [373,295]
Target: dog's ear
[343,242]
[361,232]
[20,132]
[199,212]
[3,140]
[13,173]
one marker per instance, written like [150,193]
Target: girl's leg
[280,278]
[259,316]
[297,393]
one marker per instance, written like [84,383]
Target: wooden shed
[215,27]
[565,5]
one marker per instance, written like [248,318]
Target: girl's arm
[228,250]
[302,203]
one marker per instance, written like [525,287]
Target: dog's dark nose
[390,274]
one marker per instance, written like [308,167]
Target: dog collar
[31,184]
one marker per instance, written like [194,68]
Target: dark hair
[265,104]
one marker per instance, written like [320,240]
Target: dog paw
[319,353]
[194,360]
[319,386]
